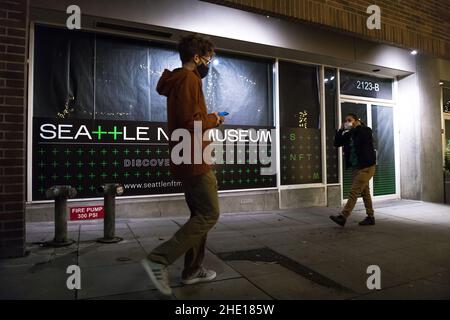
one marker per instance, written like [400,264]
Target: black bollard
[60,194]
[110,191]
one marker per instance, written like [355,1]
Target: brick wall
[13,40]
[418,24]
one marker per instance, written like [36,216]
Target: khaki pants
[202,200]
[360,187]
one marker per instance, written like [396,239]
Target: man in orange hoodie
[186,108]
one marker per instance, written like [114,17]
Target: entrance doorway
[380,118]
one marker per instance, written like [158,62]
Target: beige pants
[360,187]
[202,200]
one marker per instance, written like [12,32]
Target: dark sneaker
[203,275]
[158,275]
[368,221]
[340,220]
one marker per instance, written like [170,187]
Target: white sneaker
[158,275]
[203,275]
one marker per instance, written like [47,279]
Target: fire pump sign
[87,213]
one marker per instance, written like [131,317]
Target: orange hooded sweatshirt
[185,104]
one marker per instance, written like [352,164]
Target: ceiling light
[414,52]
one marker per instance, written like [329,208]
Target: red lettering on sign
[86,213]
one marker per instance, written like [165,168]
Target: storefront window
[331,124]
[98,117]
[122,80]
[301,156]
[63,74]
[240,86]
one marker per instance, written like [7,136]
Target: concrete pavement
[293,254]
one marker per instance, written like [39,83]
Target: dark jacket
[363,142]
[186,104]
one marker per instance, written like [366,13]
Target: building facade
[79,107]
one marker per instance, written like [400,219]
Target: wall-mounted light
[441,83]
[414,52]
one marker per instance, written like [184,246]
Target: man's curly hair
[193,44]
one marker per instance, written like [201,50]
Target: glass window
[383,133]
[446,96]
[331,124]
[118,138]
[301,155]
[122,79]
[126,73]
[161,57]
[63,74]
[240,86]
[447,132]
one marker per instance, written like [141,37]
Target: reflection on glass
[160,58]
[241,87]
[63,74]
[121,79]
[383,132]
[126,72]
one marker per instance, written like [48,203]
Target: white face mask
[348,125]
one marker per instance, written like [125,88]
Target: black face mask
[203,70]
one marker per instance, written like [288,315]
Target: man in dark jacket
[359,152]
[185,108]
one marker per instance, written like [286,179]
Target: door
[359,109]
[381,119]
[383,134]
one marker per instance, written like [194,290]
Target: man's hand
[220,120]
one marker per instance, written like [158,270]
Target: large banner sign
[88,153]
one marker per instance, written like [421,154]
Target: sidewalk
[294,254]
